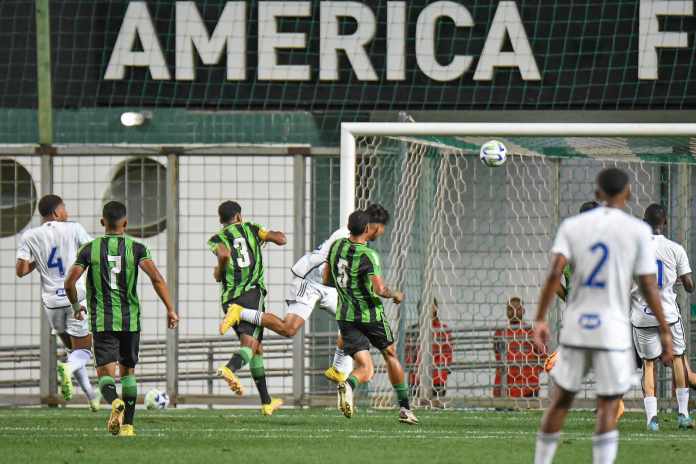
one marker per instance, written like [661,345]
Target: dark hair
[113,212]
[357,222]
[378,214]
[228,210]
[588,205]
[612,181]
[655,215]
[48,204]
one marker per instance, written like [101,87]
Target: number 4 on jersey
[55,261]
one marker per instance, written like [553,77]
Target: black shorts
[253,299]
[358,336]
[121,347]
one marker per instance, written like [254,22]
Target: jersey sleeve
[646,261]
[370,264]
[260,231]
[561,245]
[82,235]
[23,250]
[683,266]
[214,242]
[141,252]
[84,255]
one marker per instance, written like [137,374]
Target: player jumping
[240,271]
[308,290]
[606,248]
[50,248]
[112,262]
[672,265]
[355,271]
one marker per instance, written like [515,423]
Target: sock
[650,403]
[129,392]
[605,447]
[353,381]
[683,400]
[83,379]
[78,358]
[546,444]
[252,316]
[402,395]
[341,362]
[107,385]
[240,359]
[258,373]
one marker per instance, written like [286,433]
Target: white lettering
[396,41]
[650,38]
[270,40]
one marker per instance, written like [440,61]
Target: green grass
[317,436]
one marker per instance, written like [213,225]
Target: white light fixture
[132,119]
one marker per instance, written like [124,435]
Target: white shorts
[614,370]
[647,341]
[304,295]
[61,321]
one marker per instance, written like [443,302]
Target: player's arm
[382,290]
[223,255]
[648,287]
[326,276]
[542,333]
[684,270]
[273,236]
[687,282]
[24,267]
[70,285]
[160,285]
[561,291]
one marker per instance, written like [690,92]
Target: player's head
[612,185]
[358,222]
[229,212]
[588,205]
[379,218]
[656,216]
[114,216]
[52,208]
[515,309]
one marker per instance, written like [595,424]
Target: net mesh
[466,239]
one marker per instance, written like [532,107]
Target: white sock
[342,363]
[251,315]
[683,400]
[650,403]
[83,379]
[605,447]
[546,445]
[78,358]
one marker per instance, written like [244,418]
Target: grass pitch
[190,436]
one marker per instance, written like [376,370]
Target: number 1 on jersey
[592,281]
[660,273]
[56,261]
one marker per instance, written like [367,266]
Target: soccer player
[240,270]
[112,262]
[606,248]
[355,271]
[672,265]
[308,290]
[50,248]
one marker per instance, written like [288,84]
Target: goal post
[465,239]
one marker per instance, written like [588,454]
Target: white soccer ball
[156,399]
[493,154]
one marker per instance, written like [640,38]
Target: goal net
[466,241]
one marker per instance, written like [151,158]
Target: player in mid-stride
[606,248]
[354,269]
[51,248]
[672,266]
[112,262]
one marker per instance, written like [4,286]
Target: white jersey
[672,263]
[606,248]
[311,265]
[53,246]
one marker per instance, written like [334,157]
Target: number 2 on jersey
[56,261]
[593,280]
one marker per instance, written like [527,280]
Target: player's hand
[398,297]
[667,354]
[172,319]
[80,315]
[542,335]
[216,274]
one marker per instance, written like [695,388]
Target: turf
[317,436]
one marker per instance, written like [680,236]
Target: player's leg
[128,358]
[80,356]
[106,354]
[681,376]
[57,320]
[258,373]
[356,345]
[648,347]
[397,379]
[342,364]
[605,442]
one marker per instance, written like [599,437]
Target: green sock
[129,392]
[402,395]
[240,359]
[107,386]
[352,381]
[258,373]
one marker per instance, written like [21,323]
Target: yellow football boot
[127,430]
[116,418]
[273,406]
[231,379]
[335,375]
[231,318]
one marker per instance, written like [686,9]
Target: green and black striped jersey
[112,262]
[244,270]
[352,265]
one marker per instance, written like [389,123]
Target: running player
[355,271]
[240,270]
[672,265]
[606,248]
[307,291]
[50,248]
[112,262]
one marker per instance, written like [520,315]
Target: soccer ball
[156,399]
[493,154]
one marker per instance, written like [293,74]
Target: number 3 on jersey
[593,280]
[55,261]
[242,251]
